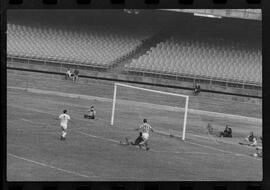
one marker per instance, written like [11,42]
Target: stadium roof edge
[248,14]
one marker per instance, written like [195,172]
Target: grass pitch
[92,150]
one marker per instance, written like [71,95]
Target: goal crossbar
[155,91]
[150,90]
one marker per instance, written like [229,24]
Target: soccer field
[92,150]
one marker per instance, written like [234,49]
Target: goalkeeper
[91,113]
[137,142]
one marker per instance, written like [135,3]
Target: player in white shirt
[68,74]
[64,118]
[146,128]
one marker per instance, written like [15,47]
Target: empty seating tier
[204,58]
[89,37]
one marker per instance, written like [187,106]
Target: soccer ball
[255,155]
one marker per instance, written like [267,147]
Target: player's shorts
[86,116]
[145,136]
[63,127]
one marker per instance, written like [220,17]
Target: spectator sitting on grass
[76,75]
[251,139]
[197,89]
[209,128]
[227,132]
[259,152]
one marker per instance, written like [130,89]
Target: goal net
[166,112]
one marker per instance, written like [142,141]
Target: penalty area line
[50,166]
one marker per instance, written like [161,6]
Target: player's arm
[139,128]
[71,121]
[152,130]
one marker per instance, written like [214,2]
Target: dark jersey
[76,72]
[138,140]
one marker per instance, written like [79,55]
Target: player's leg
[74,78]
[126,142]
[145,141]
[146,145]
[64,132]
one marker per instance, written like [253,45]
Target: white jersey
[145,128]
[69,73]
[64,119]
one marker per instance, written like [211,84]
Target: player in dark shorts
[137,142]
[91,113]
[227,132]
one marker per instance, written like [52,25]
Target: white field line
[83,84]
[115,141]
[50,166]
[73,172]
[68,171]
[148,105]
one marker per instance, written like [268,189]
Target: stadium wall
[215,89]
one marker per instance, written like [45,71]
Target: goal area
[166,112]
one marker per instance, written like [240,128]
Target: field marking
[106,83]
[73,172]
[126,102]
[50,166]
[175,152]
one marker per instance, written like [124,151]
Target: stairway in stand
[119,65]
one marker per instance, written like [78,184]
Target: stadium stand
[221,50]
[95,47]
[220,59]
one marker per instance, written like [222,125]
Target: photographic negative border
[139,4]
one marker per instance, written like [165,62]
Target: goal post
[152,91]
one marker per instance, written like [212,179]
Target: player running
[146,128]
[64,118]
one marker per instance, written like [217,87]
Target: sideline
[73,172]
[50,166]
